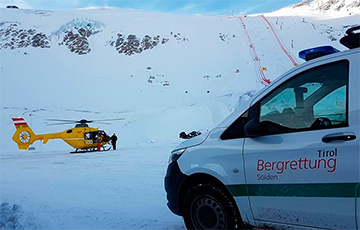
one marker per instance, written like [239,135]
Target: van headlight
[176,154]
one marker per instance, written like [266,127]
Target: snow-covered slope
[98,63]
[163,73]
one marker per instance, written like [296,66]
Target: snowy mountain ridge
[75,34]
[328,7]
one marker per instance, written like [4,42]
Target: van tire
[208,207]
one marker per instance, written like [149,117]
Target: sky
[169,6]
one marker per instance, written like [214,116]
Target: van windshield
[317,93]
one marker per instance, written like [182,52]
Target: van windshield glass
[315,96]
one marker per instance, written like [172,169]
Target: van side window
[236,129]
[314,99]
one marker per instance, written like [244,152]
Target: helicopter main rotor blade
[62,123]
[113,119]
[63,120]
[82,121]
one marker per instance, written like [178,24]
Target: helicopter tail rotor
[23,136]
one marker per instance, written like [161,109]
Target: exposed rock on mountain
[75,34]
[77,42]
[226,37]
[12,7]
[131,44]
[178,37]
[337,5]
[328,5]
[12,36]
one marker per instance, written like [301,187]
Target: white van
[287,158]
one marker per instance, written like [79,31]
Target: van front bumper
[173,180]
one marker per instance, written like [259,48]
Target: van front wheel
[208,207]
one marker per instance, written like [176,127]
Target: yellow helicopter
[82,137]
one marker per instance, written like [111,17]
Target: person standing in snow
[113,140]
[99,140]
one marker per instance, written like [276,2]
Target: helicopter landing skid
[88,150]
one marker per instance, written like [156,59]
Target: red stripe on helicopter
[20,123]
[17,119]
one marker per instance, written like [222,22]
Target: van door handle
[338,137]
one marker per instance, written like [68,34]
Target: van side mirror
[253,128]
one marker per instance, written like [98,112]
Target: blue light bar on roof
[317,52]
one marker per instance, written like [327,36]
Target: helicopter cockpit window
[87,136]
[91,135]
